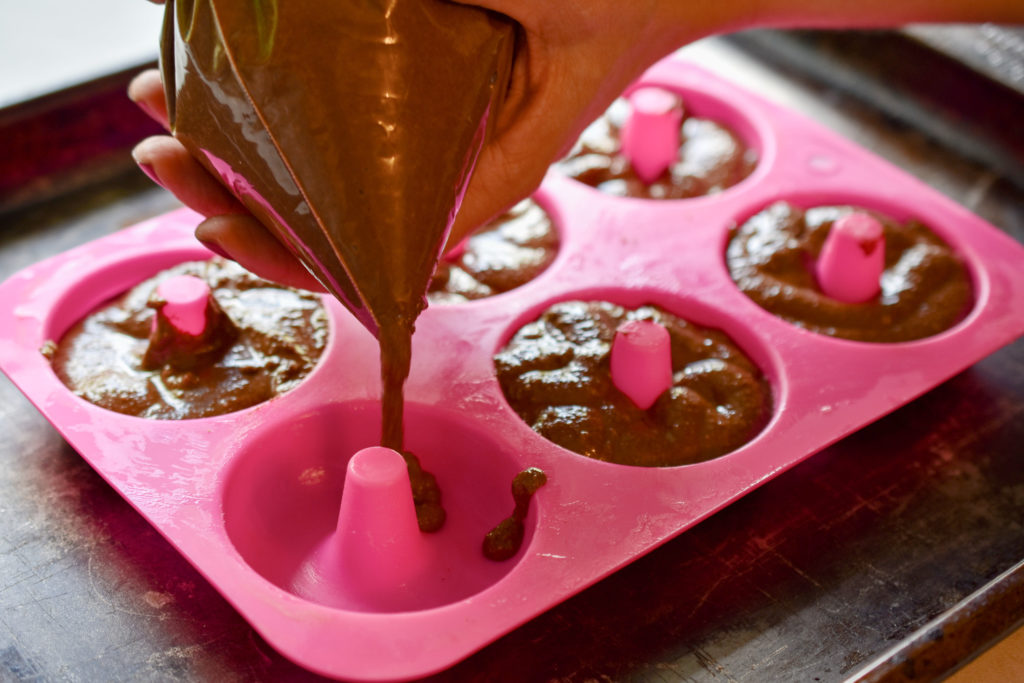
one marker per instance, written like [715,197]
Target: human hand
[572,60]
[229,229]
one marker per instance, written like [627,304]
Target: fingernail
[215,248]
[145,165]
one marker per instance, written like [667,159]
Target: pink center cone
[851,262]
[641,361]
[651,134]
[187,297]
[379,544]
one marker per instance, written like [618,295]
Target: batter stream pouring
[350,129]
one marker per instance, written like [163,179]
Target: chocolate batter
[503,541]
[270,339]
[510,251]
[426,495]
[349,129]
[925,288]
[555,374]
[711,159]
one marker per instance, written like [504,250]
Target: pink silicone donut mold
[251,498]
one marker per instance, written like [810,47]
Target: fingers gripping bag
[350,129]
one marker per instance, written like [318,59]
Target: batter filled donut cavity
[556,373]
[506,253]
[260,340]
[923,289]
[696,156]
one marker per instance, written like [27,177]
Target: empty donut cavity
[283,493]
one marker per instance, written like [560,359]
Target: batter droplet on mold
[504,540]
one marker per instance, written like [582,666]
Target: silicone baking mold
[252,498]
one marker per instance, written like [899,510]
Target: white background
[48,45]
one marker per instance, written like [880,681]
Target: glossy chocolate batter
[503,541]
[925,288]
[711,159]
[556,375]
[350,129]
[267,341]
[507,253]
